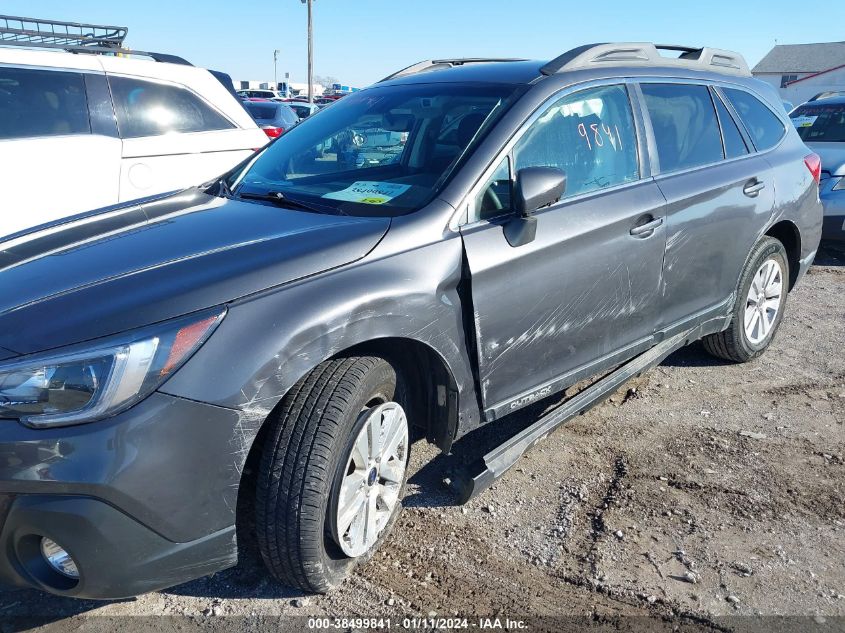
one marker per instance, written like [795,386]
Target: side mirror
[535,188]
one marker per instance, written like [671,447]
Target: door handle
[753,187]
[644,230]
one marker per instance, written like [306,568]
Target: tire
[736,343]
[305,461]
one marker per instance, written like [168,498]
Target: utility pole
[275,74]
[310,52]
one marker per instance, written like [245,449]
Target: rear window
[145,108]
[42,103]
[765,128]
[820,122]
[684,123]
[262,111]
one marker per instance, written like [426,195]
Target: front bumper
[142,501]
[116,556]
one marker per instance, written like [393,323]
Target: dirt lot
[706,490]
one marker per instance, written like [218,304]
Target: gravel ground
[702,491]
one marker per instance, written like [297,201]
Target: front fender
[269,341]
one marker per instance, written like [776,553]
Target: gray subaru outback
[284,333]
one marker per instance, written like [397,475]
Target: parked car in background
[821,125]
[827,94]
[303,109]
[282,334]
[83,131]
[272,117]
[260,93]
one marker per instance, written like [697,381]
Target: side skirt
[482,474]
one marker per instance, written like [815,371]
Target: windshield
[383,151]
[820,122]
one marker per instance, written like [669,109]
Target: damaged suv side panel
[405,297]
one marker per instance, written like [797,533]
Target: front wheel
[332,472]
[759,305]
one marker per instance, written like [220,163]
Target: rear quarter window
[146,108]
[763,125]
[42,103]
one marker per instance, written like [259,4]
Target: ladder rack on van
[648,54]
[73,37]
[17,31]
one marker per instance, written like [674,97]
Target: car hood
[832,155]
[138,264]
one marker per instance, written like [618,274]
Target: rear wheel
[332,472]
[759,306]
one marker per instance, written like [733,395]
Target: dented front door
[581,297]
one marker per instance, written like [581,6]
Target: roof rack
[53,34]
[74,37]
[433,64]
[648,54]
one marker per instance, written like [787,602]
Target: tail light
[273,132]
[814,164]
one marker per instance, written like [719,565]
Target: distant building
[801,71]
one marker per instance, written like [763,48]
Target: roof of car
[838,100]
[515,72]
[617,55]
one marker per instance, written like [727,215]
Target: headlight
[90,384]
[839,186]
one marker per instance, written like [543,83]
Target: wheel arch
[433,387]
[432,384]
[787,233]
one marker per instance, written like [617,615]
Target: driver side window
[589,135]
[495,197]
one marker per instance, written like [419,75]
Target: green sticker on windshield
[369,192]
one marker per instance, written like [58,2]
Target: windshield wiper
[278,198]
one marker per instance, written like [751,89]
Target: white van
[84,131]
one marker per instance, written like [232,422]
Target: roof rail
[433,64]
[74,37]
[648,54]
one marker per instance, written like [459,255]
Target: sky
[361,41]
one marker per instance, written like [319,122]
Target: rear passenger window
[42,103]
[734,143]
[145,108]
[762,124]
[589,135]
[684,123]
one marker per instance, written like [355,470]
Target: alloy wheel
[372,480]
[764,301]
